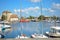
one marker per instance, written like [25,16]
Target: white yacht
[4,22]
[54,32]
[6,28]
[57,21]
[38,36]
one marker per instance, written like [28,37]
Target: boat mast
[21,15]
[41,17]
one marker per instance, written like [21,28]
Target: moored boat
[4,22]
[22,36]
[24,20]
[5,26]
[54,32]
[38,36]
[1,35]
[57,21]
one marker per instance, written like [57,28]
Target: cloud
[30,9]
[34,10]
[15,10]
[26,10]
[44,9]
[50,10]
[56,5]
[35,1]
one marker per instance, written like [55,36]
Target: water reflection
[28,28]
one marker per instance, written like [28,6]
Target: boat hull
[2,36]
[52,35]
[24,20]
[38,36]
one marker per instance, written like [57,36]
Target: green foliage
[58,18]
[54,18]
[30,17]
[22,17]
[3,17]
[41,17]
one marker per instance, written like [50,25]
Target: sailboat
[22,35]
[35,35]
[21,21]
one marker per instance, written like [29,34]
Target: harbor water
[28,28]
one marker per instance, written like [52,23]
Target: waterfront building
[0,17]
[10,16]
[7,14]
[13,17]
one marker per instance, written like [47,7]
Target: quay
[34,39]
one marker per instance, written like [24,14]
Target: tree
[30,17]
[54,18]
[41,17]
[3,17]
[22,17]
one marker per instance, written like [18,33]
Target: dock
[34,39]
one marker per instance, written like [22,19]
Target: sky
[31,7]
